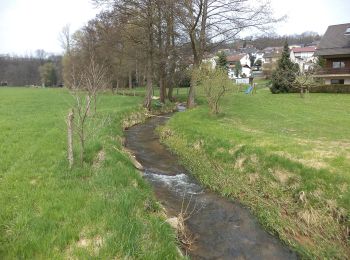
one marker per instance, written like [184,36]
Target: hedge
[326,89]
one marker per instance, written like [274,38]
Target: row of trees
[265,41]
[30,70]
[153,42]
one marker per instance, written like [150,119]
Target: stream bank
[218,228]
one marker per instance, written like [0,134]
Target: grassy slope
[47,211]
[268,151]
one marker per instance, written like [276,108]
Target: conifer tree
[283,77]
[222,61]
[238,69]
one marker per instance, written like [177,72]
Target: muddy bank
[218,228]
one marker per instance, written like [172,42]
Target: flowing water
[220,228]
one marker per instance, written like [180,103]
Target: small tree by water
[214,83]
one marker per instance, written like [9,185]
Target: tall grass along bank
[102,210]
[284,157]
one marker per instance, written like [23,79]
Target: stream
[219,228]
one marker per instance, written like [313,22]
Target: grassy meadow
[286,158]
[103,210]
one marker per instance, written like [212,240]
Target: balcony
[331,71]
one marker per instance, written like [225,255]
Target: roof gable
[334,42]
[304,49]
[234,58]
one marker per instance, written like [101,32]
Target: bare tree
[41,55]
[94,79]
[70,128]
[214,83]
[81,106]
[218,21]
[165,32]
[304,81]
[139,16]
[65,39]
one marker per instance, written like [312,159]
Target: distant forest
[24,70]
[263,42]
[277,40]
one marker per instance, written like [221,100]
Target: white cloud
[30,25]
[311,15]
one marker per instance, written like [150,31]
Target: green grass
[285,157]
[177,92]
[103,210]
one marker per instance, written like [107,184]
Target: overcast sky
[28,25]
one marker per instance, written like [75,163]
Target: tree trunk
[202,37]
[137,74]
[82,145]
[162,89]
[150,49]
[170,49]
[95,103]
[162,54]
[191,94]
[198,46]
[171,91]
[88,100]
[70,119]
[130,79]
[149,87]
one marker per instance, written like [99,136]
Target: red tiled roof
[304,49]
[234,58]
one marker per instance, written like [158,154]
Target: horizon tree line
[28,70]
[159,42]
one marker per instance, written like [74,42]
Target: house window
[337,81]
[338,64]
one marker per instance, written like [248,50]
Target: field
[103,210]
[286,158]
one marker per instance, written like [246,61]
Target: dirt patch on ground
[253,178]
[316,162]
[239,165]
[198,145]
[101,156]
[309,217]
[254,159]
[304,240]
[220,150]
[92,245]
[233,150]
[282,175]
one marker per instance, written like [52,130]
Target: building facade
[334,48]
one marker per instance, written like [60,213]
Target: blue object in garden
[249,90]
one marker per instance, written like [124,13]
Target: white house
[292,46]
[211,60]
[260,56]
[245,64]
[303,56]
